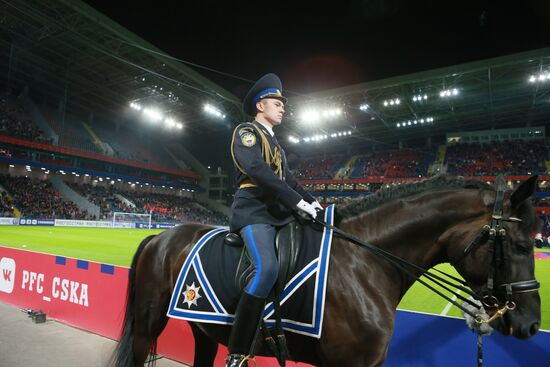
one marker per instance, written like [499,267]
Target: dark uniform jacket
[268,192]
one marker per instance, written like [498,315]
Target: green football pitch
[117,246]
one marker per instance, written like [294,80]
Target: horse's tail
[124,354]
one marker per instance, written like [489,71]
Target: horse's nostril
[534,329]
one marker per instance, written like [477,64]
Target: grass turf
[117,246]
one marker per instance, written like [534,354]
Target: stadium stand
[393,163]
[14,122]
[5,152]
[130,145]
[6,206]
[36,199]
[515,157]
[510,157]
[164,207]
[71,132]
[463,159]
[319,168]
[103,197]
[126,144]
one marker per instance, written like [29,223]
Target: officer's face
[273,110]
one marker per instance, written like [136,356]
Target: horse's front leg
[355,339]
[351,352]
[205,348]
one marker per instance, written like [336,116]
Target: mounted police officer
[267,196]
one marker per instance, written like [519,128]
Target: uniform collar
[267,127]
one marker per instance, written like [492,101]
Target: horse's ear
[523,191]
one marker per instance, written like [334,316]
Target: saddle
[288,242]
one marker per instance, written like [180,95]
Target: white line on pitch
[448,307]
[46,298]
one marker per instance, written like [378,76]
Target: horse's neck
[410,228]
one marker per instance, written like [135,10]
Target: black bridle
[499,250]
[499,247]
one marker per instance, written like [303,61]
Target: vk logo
[7,274]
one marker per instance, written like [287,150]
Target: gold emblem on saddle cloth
[191,294]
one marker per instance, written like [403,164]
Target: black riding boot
[243,333]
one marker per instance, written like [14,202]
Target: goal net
[131,220]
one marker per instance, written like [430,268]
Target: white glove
[307,208]
[316,205]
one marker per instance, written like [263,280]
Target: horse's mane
[385,195]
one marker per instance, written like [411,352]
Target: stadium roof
[496,93]
[67,48]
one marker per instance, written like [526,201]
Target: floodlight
[309,116]
[170,122]
[135,106]
[152,114]
[213,111]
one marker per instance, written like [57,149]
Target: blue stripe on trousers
[257,260]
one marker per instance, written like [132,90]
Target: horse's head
[494,254]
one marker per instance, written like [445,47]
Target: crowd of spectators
[14,122]
[509,157]
[5,152]
[104,197]
[392,163]
[515,157]
[164,207]
[37,199]
[319,168]
[6,206]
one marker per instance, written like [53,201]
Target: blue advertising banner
[36,222]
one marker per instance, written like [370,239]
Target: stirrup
[243,360]
[246,359]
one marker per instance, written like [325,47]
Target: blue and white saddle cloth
[206,292]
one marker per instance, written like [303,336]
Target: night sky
[314,45]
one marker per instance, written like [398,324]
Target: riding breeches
[259,240]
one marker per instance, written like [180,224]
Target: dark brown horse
[425,223]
